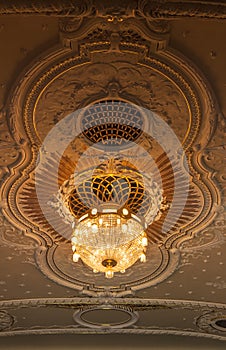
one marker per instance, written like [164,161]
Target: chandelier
[109,208]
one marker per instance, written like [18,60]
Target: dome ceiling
[99,61]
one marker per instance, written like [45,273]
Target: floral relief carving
[6,320]
[115,11]
[17,240]
[176,9]
[215,151]
[93,81]
[69,8]
[211,237]
[9,151]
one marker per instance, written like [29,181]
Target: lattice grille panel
[112,122]
[98,190]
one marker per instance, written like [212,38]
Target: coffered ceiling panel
[64,67]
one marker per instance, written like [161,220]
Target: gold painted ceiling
[68,57]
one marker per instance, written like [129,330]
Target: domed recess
[115,123]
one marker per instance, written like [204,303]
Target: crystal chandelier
[109,209]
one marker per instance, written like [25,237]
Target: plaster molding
[151,10]
[208,312]
[189,94]
[88,64]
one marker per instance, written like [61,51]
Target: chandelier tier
[109,208]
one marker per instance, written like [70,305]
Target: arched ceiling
[166,57]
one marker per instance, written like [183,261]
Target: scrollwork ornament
[9,151]
[67,8]
[6,320]
[209,322]
[177,9]
[115,10]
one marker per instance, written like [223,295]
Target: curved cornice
[114,9]
[202,316]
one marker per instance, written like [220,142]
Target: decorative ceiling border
[144,331]
[105,300]
[203,325]
[114,9]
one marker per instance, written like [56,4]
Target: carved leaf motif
[64,95]
[8,148]
[6,320]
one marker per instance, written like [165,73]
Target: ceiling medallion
[111,197]
[109,205]
[113,202]
[123,316]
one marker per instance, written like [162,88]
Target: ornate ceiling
[61,58]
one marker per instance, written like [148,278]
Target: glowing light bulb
[94,228]
[100,221]
[76,257]
[95,271]
[143,257]
[89,224]
[118,221]
[123,271]
[73,248]
[109,274]
[125,211]
[94,211]
[144,241]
